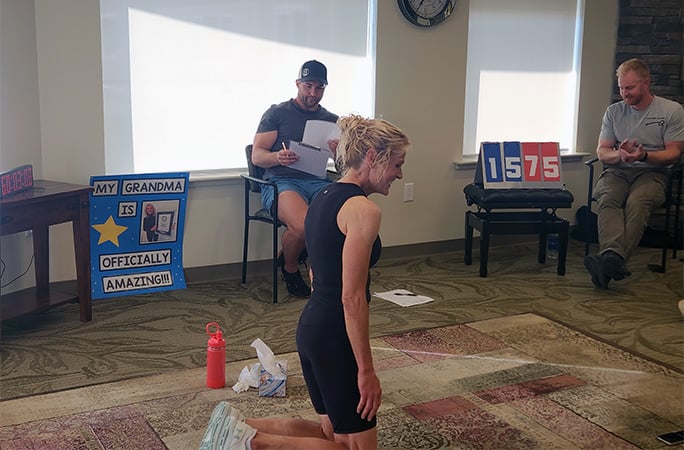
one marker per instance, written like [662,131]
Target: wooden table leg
[81,228]
[41,255]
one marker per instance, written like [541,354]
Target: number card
[530,152]
[512,164]
[550,154]
[491,162]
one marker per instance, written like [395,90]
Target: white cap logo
[305,72]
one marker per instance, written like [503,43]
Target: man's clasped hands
[631,151]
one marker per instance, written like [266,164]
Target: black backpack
[586,225]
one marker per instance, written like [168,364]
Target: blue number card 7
[513,164]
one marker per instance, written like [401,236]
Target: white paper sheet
[402,297]
[318,132]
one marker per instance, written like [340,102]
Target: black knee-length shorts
[329,367]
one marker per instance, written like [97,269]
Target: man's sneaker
[595,269]
[294,281]
[227,430]
[614,265]
[295,284]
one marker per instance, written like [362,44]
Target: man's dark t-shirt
[289,120]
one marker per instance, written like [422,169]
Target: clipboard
[318,132]
[311,160]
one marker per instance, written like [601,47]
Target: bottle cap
[216,336]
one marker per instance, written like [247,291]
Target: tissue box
[273,385]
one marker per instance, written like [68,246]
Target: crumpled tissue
[269,374]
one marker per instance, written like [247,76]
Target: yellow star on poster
[109,231]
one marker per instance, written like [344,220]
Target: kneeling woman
[333,338]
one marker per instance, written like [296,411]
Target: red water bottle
[216,357]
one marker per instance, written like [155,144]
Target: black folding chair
[253,183]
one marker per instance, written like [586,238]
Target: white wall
[20,140]
[420,86]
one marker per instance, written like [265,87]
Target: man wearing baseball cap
[313,71]
[279,125]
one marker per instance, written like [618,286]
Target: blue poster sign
[136,233]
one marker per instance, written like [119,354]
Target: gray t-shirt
[289,120]
[662,121]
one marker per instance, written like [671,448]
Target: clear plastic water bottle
[552,246]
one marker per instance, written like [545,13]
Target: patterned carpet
[153,334]
[518,382]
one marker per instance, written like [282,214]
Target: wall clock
[426,13]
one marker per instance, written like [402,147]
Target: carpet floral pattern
[516,382]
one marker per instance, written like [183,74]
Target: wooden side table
[48,203]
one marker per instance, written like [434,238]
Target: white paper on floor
[402,297]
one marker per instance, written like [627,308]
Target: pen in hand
[286,157]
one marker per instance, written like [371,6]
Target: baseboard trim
[263,268]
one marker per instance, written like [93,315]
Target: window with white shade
[522,72]
[186,81]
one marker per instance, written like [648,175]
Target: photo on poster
[159,221]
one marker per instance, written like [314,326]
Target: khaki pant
[626,198]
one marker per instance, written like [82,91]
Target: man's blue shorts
[307,188]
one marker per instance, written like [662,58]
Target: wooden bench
[526,211]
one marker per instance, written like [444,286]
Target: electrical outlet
[408,192]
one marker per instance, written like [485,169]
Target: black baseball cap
[313,71]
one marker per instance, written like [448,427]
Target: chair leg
[244,252]
[678,229]
[275,263]
[660,268]
[468,254]
[587,230]
[246,234]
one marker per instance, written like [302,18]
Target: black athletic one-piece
[328,363]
